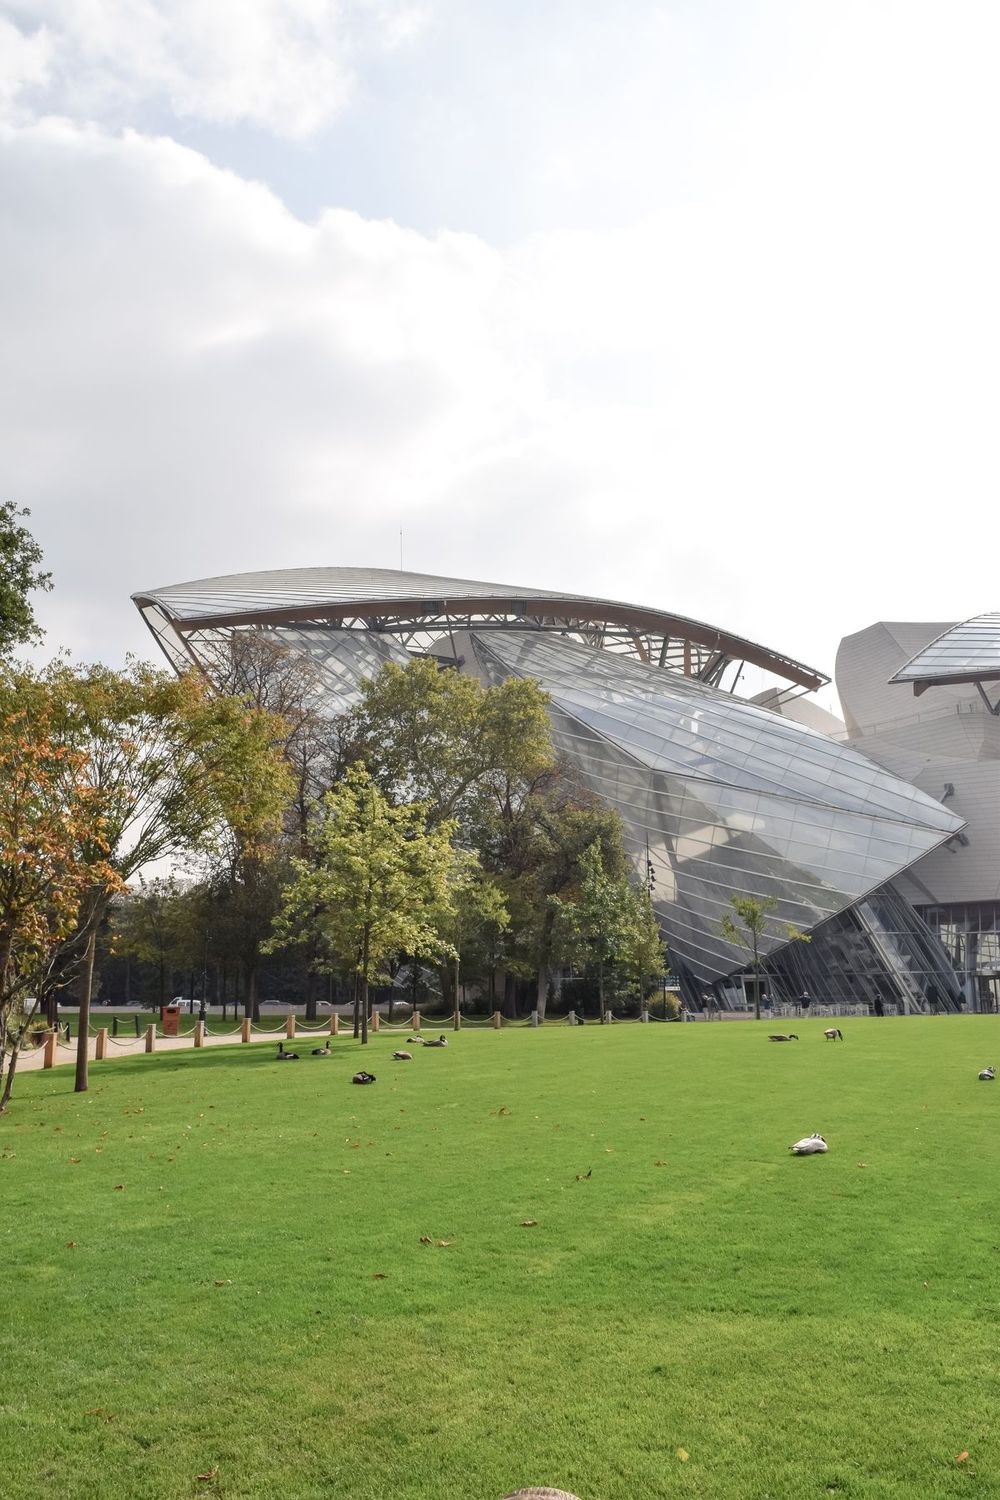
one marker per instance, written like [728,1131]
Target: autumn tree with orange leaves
[47,817]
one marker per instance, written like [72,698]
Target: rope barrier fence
[335,1025]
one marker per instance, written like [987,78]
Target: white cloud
[766,400]
[284,65]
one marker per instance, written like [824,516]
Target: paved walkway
[131,1046]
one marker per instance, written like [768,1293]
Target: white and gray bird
[810,1145]
[540,1494]
[987,1075]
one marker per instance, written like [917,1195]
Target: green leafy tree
[533,845]
[152,924]
[642,956]
[440,738]
[377,885]
[20,575]
[473,924]
[752,928]
[608,922]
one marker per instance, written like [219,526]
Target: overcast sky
[692,303]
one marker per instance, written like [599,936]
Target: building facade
[921,701]
[719,795]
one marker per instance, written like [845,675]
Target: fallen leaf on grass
[207,1477]
[444,1244]
[378,1276]
[425,1239]
[119,1187]
[529,1223]
[504,1111]
[659,1164]
[683,1455]
[925,1283]
[75,1160]
[227,1282]
[71,1244]
[862,1164]
[961,1457]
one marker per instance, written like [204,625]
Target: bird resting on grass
[810,1145]
[540,1494]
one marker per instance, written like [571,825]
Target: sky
[690,303]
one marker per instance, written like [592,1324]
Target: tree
[442,739]
[20,556]
[377,885]
[151,924]
[169,768]
[608,921]
[642,954]
[472,924]
[533,844]
[47,817]
[749,928]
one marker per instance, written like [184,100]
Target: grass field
[214,1267]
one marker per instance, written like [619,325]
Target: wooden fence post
[374,1020]
[497,1020]
[150,1038]
[334,1023]
[51,1043]
[415,1020]
[245,1025]
[100,1051]
[290,1024]
[199,1033]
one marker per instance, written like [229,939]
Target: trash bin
[170,1019]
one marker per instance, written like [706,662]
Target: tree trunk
[600,992]
[543,991]
[310,996]
[356,997]
[8,1083]
[83,1025]
[363,986]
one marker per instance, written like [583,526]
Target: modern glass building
[944,737]
[718,795]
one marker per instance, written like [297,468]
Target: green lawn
[214,1265]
